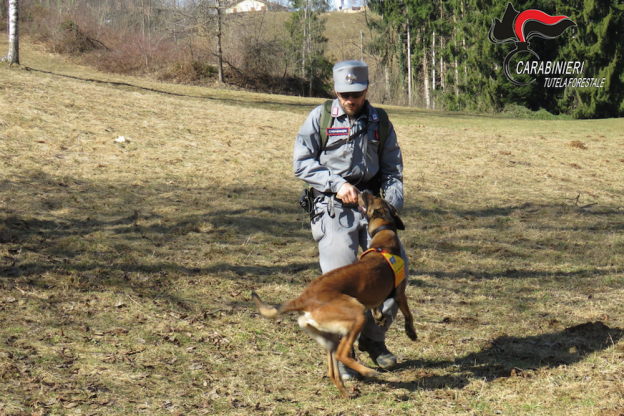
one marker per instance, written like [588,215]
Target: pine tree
[307,43]
[599,43]
[469,67]
[387,37]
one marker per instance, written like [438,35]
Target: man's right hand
[348,194]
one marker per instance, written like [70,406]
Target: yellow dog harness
[396,262]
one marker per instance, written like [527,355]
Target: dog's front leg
[401,299]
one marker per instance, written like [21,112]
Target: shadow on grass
[511,273]
[53,208]
[104,234]
[508,356]
[590,210]
[61,206]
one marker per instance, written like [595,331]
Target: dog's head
[373,208]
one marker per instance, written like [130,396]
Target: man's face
[352,102]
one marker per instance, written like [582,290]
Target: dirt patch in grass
[126,268]
[577,144]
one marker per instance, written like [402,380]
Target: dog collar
[396,262]
[382,228]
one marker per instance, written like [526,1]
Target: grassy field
[126,267]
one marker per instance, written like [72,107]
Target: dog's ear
[397,221]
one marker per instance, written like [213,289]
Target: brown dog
[333,305]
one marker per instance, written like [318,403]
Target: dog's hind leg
[334,375]
[329,341]
[330,365]
[354,315]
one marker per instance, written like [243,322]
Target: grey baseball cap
[350,76]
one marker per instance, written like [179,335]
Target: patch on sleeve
[374,116]
[338,131]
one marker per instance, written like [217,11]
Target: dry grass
[125,268]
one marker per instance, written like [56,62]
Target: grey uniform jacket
[356,161]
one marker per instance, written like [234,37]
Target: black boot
[378,352]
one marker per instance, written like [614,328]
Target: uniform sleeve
[391,166]
[305,164]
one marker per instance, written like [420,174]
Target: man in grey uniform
[347,164]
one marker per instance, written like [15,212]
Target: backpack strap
[374,185]
[384,130]
[326,121]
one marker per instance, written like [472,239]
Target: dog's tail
[272,312]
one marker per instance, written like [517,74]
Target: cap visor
[345,87]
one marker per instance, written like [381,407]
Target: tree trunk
[310,53]
[13,55]
[433,71]
[401,93]
[464,46]
[361,45]
[305,41]
[147,40]
[387,73]
[144,17]
[433,63]
[409,65]
[465,67]
[219,34]
[426,79]
[456,78]
[456,52]
[442,71]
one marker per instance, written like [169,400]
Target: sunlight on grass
[126,269]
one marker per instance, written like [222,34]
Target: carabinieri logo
[528,24]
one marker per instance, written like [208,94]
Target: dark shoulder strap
[326,121]
[384,129]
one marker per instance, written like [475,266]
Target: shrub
[518,111]
[73,41]
[190,71]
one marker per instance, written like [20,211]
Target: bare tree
[204,18]
[219,36]
[13,55]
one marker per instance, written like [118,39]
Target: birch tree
[13,55]
[204,18]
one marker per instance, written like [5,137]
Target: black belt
[372,186]
[316,194]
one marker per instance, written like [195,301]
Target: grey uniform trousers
[338,240]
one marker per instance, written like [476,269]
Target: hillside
[342,31]
[126,266]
